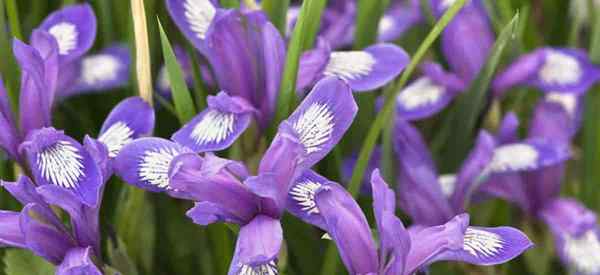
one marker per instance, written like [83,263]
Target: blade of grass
[8,68]
[390,93]
[181,95]
[367,21]
[591,128]
[277,12]
[13,18]
[143,68]
[303,38]
[200,90]
[230,4]
[470,105]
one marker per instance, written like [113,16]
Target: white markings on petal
[560,69]
[61,164]
[421,92]
[583,252]
[163,79]
[514,157]
[214,127]
[117,136]
[350,65]
[154,166]
[269,268]
[199,14]
[66,35]
[304,194]
[447,183]
[385,24]
[447,3]
[314,127]
[99,68]
[567,101]
[482,244]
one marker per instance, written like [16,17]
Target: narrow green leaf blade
[367,21]
[470,105]
[303,38]
[181,95]
[23,262]
[277,12]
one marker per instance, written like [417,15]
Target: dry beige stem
[142,50]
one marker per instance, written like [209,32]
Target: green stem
[277,12]
[12,11]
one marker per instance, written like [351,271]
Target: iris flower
[329,206]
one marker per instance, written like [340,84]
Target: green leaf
[23,262]
[230,4]
[303,37]
[9,67]
[367,21]
[136,225]
[277,12]
[184,105]
[119,259]
[13,17]
[390,93]
[470,105]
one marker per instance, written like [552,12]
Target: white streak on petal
[214,127]
[447,183]
[66,35]
[514,157]
[350,65]
[583,252]
[269,268]
[482,244]
[421,92]
[304,194]
[560,69]
[314,127]
[117,136]
[61,164]
[385,24]
[199,13]
[154,166]
[99,68]
[567,101]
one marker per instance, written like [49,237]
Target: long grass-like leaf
[12,11]
[386,113]
[367,21]
[230,4]
[277,12]
[8,68]
[469,106]
[184,105]
[303,38]
[591,128]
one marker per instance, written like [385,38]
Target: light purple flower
[552,70]
[194,18]
[402,251]
[224,191]
[364,70]
[401,16]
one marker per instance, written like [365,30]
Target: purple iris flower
[364,70]
[431,199]
[329,206]
[400,16]
[71,176]
[74,29]
[245,51]
[537,192]
[224,190]
[552,70]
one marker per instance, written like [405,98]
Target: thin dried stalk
[142,50]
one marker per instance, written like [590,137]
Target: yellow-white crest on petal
[214,127]
[447,183]
[560,68]
[349,65]
[314,127]
[422,92]
[482,244]
[304,194]
[61,164]
[583,252]
[385,23]
[153,166]
[66,35]
[199,14]
[514,157]
[99,68]
[567,101]
[115,137]
[269,268]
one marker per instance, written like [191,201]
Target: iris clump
[475,129]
